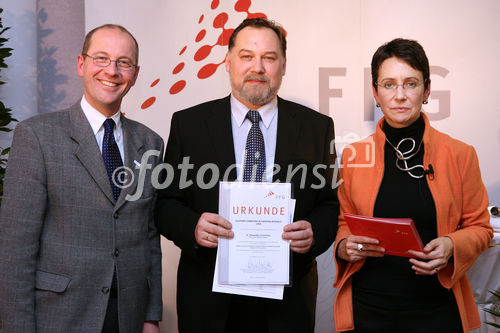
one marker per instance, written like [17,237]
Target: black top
[389,282]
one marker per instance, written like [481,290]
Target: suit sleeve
[324,215]
[155,308]
[21,220]
[175,219]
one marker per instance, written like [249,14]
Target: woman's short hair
[407,50]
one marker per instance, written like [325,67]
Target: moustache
[257,78]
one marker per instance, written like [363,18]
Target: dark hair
[407,50]
[260,22]
[88,38]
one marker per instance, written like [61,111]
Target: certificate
[274,291]
[257,254]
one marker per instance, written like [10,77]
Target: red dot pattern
[204,51]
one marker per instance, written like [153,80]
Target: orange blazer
[461,211]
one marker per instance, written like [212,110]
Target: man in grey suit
[78,251]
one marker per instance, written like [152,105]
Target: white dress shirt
[96,120]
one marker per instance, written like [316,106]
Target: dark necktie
[255,153]
[112,160]
[111,156]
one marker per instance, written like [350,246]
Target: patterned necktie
[111,156]
[255,153]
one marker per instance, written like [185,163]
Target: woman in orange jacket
[420,173]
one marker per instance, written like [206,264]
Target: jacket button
[115,215]
[105,290]
[116,253]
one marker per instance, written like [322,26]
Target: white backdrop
[330,47]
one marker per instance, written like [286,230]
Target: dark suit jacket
[203,134]
[61,233]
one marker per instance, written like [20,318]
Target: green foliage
[495,310]
[5,113]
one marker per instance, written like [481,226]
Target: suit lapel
[287,136]
[219,127]
[87,150]
[134,149]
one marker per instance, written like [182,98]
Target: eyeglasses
[103,61]
[392,85]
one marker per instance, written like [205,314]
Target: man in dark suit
[79,252]
[216,133]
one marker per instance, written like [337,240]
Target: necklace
[405,156]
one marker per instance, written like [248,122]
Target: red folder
[397,236]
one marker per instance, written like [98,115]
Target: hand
[151,327]
[209,227]
[355,248]
[436,255]
[300,235]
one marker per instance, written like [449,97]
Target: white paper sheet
[256,254]
[274,291]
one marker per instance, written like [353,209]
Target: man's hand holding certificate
[256,261]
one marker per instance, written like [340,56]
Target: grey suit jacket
[61,233]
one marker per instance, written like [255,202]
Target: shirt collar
[96,119]
[267,111]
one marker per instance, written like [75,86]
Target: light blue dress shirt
[241,126]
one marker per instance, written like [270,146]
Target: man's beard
[259,95]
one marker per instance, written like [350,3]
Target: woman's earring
[425,102]
[377,105]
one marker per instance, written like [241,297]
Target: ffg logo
[325,92]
